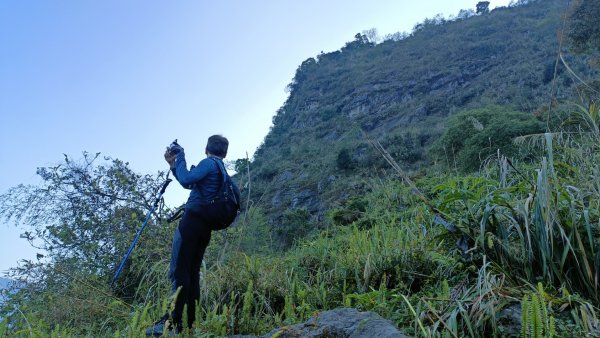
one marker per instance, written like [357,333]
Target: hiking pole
[158,198]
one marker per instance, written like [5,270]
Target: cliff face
[400,92]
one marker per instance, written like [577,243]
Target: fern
[537,322]
[537,317]
[288,308]
[246,319]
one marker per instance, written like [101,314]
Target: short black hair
[217,145]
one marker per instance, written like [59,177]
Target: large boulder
[339,323]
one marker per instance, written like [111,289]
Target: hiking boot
[161,327]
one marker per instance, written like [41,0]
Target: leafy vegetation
[401,91]
[502,247]
[473,136]
[582,35]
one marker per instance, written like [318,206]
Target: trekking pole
[158,198]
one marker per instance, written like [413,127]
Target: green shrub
[473,136]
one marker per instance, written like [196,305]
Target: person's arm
[188,177]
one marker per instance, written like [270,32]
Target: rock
[340,323]
[284,177]
[421,111]
[304,198]
[509,320]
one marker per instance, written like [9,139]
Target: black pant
[189,243]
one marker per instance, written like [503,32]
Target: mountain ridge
[401,92]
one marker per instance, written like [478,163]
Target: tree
[241,166]
[429,23]
[516,3]
[360,41]
[344,160]
[371,35]
[398,36]
[482,7]
[474,135]
[294,225]
[82,217]
[584,30]
[301,74]
[464,14]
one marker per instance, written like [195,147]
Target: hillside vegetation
[448,180]
[400,92]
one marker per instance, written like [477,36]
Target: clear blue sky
[125,78]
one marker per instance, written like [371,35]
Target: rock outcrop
[338,323]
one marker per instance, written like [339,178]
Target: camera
[174,148]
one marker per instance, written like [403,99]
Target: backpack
[221,211]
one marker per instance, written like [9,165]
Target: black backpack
[221,211]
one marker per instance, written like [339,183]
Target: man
[193,233]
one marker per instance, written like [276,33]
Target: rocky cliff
[400,92]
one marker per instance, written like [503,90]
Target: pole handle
[164,187]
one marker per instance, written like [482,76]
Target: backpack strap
[223,187]
[222,171]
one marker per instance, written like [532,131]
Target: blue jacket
[204,179]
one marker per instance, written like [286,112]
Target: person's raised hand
[170,157]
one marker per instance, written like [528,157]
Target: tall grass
[543,230]
[384,252]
